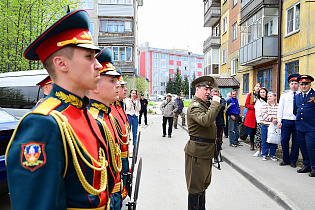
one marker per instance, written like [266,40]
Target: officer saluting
[56,158]
[304,108]
[200,149]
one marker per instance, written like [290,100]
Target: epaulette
[94,112]
[47,106]
[195,103]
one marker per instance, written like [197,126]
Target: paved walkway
[283,184]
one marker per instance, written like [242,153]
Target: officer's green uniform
[200,149]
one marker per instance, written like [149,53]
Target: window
[155,64]
[234,2]
[223,56]
[293,19]
[234,66]
[122,53]
[163,57]
[162,84]
[290,68]
[87,4]
[264,77]
[234,31]
[216,30]
[171,57]
[129,53]
[115,1]
[91,28]
[268,28]
[245,83]
[224,25]
[155,55]
[117,25]
[115,52]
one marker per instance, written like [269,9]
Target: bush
[151,103]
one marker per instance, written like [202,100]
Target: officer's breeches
[198,174]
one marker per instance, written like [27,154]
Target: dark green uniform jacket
[201,123]
[198,155]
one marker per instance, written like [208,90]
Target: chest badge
[33,155]
[311,99]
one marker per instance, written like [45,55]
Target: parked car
[156,97]
[8,123]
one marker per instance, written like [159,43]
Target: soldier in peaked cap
[286,122]
[46,86]
[200,148]
[123,131]
[57,153]
[101,98]
[303,108]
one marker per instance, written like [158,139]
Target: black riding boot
[202,201]
[193,202]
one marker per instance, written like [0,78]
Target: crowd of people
[289,120]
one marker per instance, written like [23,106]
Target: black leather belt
[202,139]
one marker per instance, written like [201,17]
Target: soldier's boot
[193,202]
[202,201]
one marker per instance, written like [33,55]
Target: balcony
[211,42]
[115,10]
[259,51]
[116,40]
[213,12]
[252,7]
[126,67]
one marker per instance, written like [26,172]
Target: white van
[19,92]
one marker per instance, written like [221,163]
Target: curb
[278,197]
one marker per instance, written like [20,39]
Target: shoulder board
[47,106]
[196,103]
[94,112]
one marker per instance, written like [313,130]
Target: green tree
[177,82]
[138,83]
[20,23]
[170,86]
[185,86]
[193,89]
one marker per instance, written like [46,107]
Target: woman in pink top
[268,116]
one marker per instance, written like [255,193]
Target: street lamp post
[189,87]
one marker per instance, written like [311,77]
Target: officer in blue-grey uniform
[304,108]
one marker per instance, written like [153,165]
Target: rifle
[133,163]
[133,204]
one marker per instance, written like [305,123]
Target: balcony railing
[121,40]
[259,51]
[211,42]
[212,15]
[126,67]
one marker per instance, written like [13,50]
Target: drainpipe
[279,48]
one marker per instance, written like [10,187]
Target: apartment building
[114,25]
[159,65]
[261,41]
[298,39]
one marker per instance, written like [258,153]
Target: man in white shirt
[286,122]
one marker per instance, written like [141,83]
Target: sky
[173,24]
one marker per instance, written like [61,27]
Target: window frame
[224,56]
[296,62]
[245,83]
[269,78]
[224,25]
[294,19]
[234,65]
[234,31]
